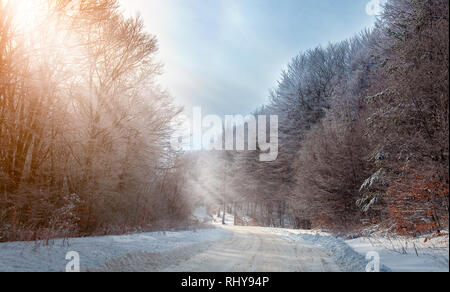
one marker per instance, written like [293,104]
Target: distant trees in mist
[84,128]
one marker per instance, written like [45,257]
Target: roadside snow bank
[396,254]
[96,251]
[345,257]
[407,255]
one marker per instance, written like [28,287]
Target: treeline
[363,131]
[84,128]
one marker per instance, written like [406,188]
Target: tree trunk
[224,212]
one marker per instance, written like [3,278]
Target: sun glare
[26,12]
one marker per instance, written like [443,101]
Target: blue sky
[225,55]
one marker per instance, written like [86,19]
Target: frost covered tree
[84,128]
[307,89]
[409,115]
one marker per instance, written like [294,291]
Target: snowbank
[96,251]
[396,254]
[345,257]
[406,255]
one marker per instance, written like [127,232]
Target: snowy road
[222,249]
[246,249]
[251,249]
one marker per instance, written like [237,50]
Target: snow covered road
[220,249]
[247,249]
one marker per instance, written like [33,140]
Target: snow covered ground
[256,249]
[345,257]
[396,255]
[96,251]
[402,255]
[228,248]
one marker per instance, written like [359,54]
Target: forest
[363,133]
[85,130]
